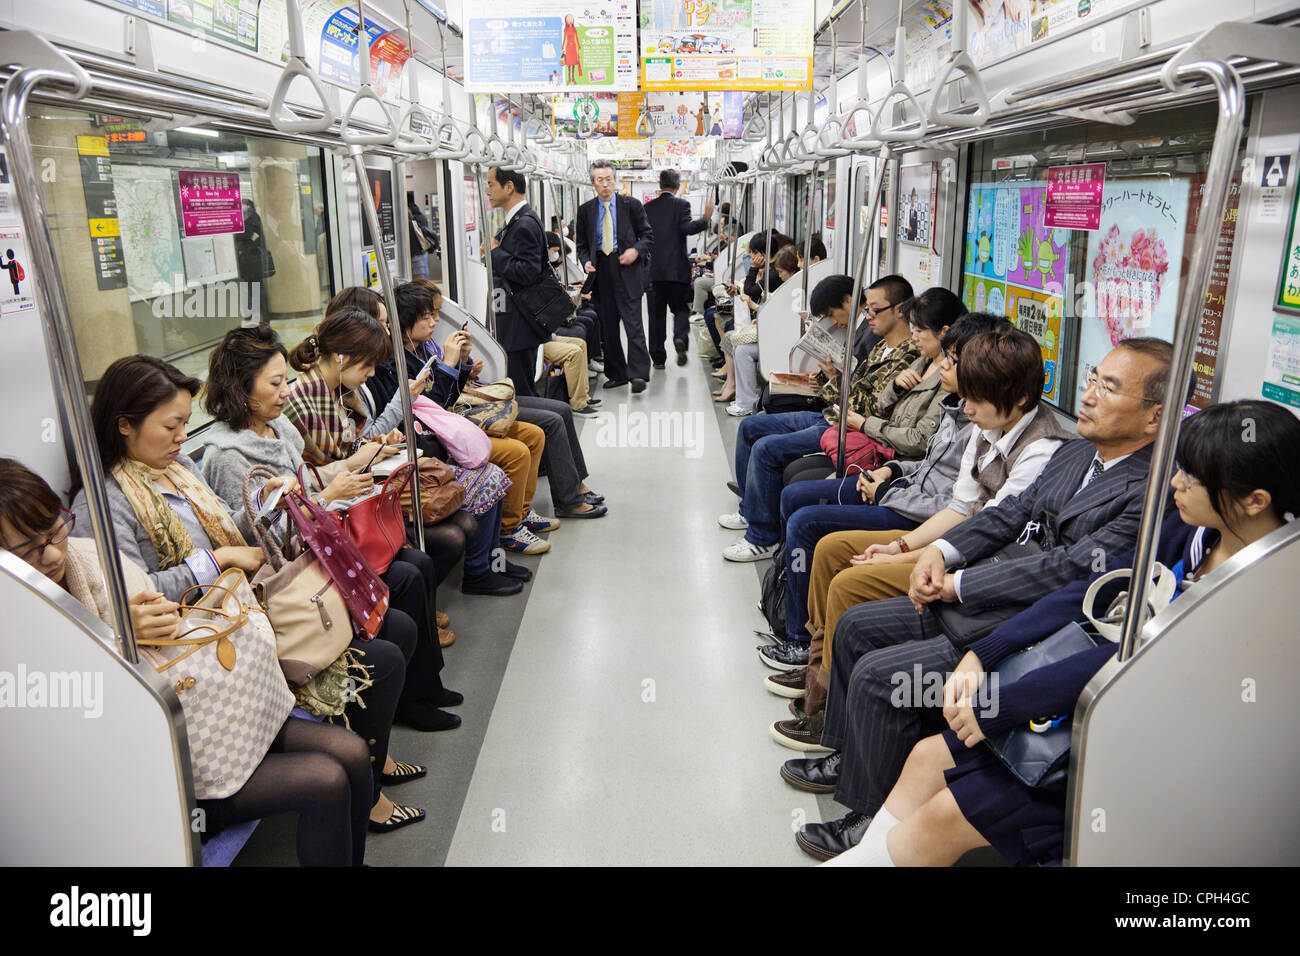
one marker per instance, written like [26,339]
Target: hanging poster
[998,28]
[1039,256]
[620,153]
[1133,266]
[1282,376]
[581,115]
[151,8]
[379,188]
[1288,282]
[210,202]
[915,197]
[629,111]
[331,28]
[1074,196]
[691,115]
[234,21]
[536,46]
[1206,359]
[1039,314]
[726,44]
[683,155]
[16,283]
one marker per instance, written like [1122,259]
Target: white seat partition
[1188,754]
[95,767]
[452,316]
[778,322]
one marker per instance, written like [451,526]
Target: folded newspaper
[821,345]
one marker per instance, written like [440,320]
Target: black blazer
[519,261]
[1075,528]
[633,232]
[670,218]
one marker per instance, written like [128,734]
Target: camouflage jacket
[869,381]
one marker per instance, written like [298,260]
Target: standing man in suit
[518,261]
[670,270]
[614,240]
[1081,511]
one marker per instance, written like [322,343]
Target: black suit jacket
[1076,528]
[633,231]
[670,218]
[519,261]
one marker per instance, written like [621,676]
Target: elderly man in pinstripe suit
[1084,507]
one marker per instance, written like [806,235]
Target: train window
[1109,265]
[168,237]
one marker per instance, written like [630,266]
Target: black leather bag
[1038,753]
[964,627]
[545,305]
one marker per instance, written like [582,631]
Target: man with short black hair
[518,261]
[670,269]
[614,241]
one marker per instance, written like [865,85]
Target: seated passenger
[1001,381]
[953,794]
[759,283]
[765,444]
[168,519]
[1088,497]
[785,262]
[246,392]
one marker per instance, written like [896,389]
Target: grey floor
[615,711]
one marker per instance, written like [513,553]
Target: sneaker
[595,366]
[745,550]
[825,841]
[733,522]
[790,684]
[491,583]
[736,410]
[803,734]
[524,542]
[540,524]
[587,409]
[784,655]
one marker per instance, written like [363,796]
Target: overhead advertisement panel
[539,46]
[726,44]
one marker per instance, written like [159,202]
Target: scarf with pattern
[314,411]
[166,531]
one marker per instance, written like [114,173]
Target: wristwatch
[902,544]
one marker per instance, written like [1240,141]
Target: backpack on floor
[773,601]
[776,404]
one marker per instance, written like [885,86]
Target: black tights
[322,773]
[371,716]
[444,542]
[412,585]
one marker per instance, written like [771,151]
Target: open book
[821,345]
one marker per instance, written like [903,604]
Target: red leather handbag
[860,450]
[375,524]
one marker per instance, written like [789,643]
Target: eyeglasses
[1184,476]
[950,357]
[1105,391]
[57,536]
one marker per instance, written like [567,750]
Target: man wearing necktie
[614,239]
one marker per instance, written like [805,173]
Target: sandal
[403,773]
[400,817]
[443,620]
[446,638]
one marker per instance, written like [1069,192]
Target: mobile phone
[371,462]
[433,360]
[464,327]
[269,504]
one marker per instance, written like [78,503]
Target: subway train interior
[1027,597]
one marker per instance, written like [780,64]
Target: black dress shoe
[593,499]
[680,345]
[813,774]
[615,383]
[592,401]
[659,364]
[638,384]
[717,362]
[736,488]
[596,511]
[828,840]
[448,698]
[496,585]
[587,409]
[518,572]
[427,718]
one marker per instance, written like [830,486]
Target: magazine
[821,345]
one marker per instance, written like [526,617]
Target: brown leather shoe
[445,637]
[443,620]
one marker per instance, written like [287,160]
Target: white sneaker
[743,550]
[733,522]
[739,411]
[595,366]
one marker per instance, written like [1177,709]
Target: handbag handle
[236,621]
[265,540]
[302,482]
[1109,626]
[404,471]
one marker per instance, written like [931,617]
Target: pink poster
[210,203]
[1074,196]
[1039,255]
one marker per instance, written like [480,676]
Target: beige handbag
[473,395]
[311,620]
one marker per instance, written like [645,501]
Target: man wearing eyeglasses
[614,240]
[1082,510]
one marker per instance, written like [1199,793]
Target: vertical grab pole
[858,277]
[64,361]
[481,182]
[1218,177]
[394,331]
[807,241]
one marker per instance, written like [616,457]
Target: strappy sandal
[400,817]
[403,773]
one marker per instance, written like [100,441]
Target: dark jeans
[661,297]
[810,510]
[562,456]
[765,444]
[478,549]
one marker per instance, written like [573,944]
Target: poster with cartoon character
[1039,314]
[1133,266]
[991,219]
[1039,254]
[16,282]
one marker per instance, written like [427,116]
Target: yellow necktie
[607,232]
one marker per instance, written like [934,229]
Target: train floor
[614,711]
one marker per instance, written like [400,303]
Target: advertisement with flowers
[1133,265]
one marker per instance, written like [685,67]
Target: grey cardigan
[133,540]
[913,415]
[924,488]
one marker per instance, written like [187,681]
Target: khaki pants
[519,455]
[570,354]
[837,585]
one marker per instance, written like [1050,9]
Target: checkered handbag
[229,682]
